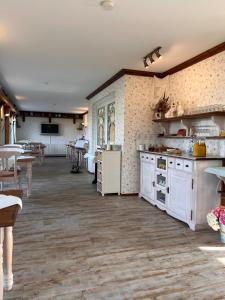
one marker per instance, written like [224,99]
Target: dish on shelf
[174,151]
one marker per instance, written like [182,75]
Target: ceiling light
[19,97]
[149,57]
[159,56]
[107,4]
[145,63]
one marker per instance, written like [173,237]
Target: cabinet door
[147,179]
[180,194]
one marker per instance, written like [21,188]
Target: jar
[199,149]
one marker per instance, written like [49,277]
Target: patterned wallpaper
[138,127]
[199,85]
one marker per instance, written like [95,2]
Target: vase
[222,233]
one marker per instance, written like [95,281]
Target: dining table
[26,161]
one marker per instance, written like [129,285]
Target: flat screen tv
[50,129]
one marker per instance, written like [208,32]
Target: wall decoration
[111,123]
[101,126]
[172,112]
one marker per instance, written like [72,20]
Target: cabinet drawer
[188,166]
[99,155]
[179,164]
[161,163]
[161,180]
[161,198]
[152,158]
[171,162]
[147,157]
[99,166]
[99,187]
[142,156]
[99,176]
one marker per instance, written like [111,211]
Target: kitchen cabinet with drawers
[108,176]
[147,174]
[180,186]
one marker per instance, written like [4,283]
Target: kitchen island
[179,185]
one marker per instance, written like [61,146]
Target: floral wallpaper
[138,127]
[199,85]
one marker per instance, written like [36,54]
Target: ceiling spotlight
[107,4]
[151,59]
[145,63]
[159,56]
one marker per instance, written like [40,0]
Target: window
[101,126]
[111,123]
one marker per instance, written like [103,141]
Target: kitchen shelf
[193,116]
[188,137]
[186,121]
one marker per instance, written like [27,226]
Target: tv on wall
[50,129]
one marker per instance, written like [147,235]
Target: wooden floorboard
[71,243]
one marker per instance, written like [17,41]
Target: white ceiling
[53,53]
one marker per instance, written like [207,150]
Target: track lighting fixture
[149,57]
[145,63]
[159,56]
[107,4]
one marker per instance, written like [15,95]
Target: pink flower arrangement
[216,217]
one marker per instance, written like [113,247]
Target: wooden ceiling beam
[50,115]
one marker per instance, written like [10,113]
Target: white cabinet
[179,186]
[108,177]
[179,194]
[147,177]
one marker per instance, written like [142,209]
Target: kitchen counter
[185,156]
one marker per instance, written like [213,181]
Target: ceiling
[53,53]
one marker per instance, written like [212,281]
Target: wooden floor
[71,243]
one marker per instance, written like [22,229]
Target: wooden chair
[9,172]
[37,150]
[8,214]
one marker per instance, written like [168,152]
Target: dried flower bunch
[162,105]
[216,217]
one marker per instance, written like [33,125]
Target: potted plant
[216,220]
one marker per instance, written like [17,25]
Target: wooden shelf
[194,116]
[188,137]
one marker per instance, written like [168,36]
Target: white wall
[31,129]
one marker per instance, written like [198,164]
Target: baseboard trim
[55,155]
[131,194]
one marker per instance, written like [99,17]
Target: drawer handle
[142,157]
[153,183]
[146,157]
[178,164]
[152,158]
[171,162]
[187,166]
